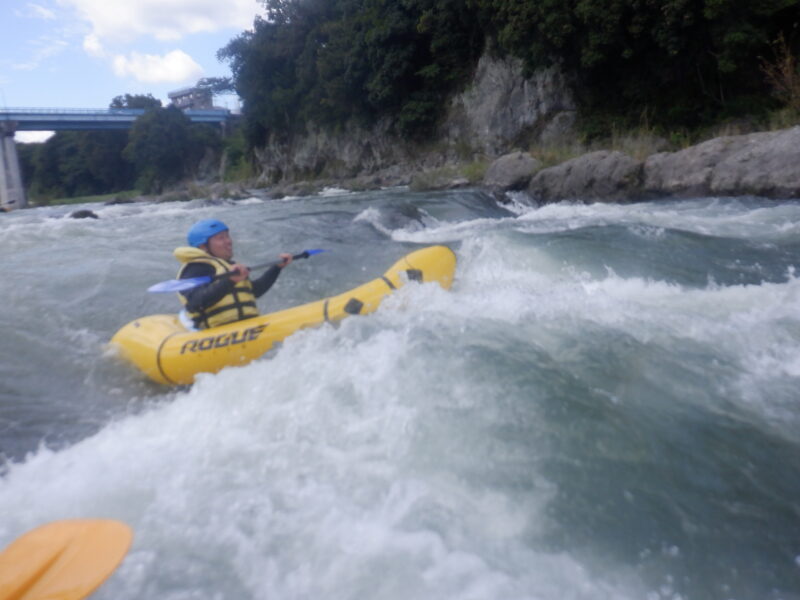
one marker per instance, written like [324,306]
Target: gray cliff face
[343,155]
[500,109]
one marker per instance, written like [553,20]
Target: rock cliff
[501,109]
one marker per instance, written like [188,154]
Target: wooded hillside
[680,63]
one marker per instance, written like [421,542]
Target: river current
[605,405]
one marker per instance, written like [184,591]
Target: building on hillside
[192,98]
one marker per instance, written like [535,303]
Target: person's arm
[208,294]
[268,278]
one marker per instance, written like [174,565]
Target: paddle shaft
[304,254]
[180,285]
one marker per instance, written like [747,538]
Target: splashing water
[604,406]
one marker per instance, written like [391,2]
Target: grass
[242,170]
[472,171]
[638,143]
[784,118]
[475,170]
[101,198]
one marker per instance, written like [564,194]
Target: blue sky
[83,53]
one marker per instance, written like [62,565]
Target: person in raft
[224,299]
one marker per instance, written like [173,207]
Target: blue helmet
[202,230]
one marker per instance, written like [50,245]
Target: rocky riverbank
[765,164]
[504,109]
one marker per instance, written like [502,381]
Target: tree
[135,101]
[217,85]
[78,163]
[689,61]
[165,147]
[331,61]
[158,143]
[162,148]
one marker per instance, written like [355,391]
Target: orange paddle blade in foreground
[64,560]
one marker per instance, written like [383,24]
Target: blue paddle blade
[313,252]
[178,285]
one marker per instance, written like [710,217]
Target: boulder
[83,214]
[762,164]
[511,172]
[603,175]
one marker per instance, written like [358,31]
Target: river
[605,405]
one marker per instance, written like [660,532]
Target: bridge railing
[83,111]
[72,111]
[31,119]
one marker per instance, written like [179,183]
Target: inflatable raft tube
[164,350]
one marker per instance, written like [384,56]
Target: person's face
[221,245]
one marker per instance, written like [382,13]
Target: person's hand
[240,273]
[285,258]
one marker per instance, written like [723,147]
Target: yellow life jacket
[239,304]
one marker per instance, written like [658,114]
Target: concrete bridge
[12,191]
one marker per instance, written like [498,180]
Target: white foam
[398,227]
[364,460]
[250,201]
[320,472]
[729,217]
[333,191]
[707,217]
[754,327]
[372,216]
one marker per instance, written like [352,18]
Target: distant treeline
[681,63]
[162,148]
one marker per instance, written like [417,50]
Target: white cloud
[44,48]
[93,47]
[126,20]
[173,67]
[36,11]
[32,137]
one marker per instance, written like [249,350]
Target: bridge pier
[12,193]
